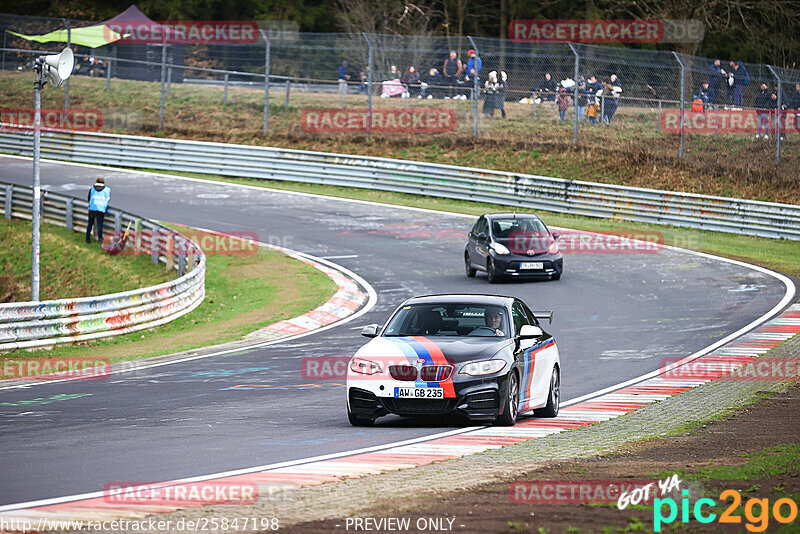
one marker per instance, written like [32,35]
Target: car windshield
[506,228]
[450,319]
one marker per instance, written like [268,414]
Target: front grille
[406,373]
[435,373]
[483,401]
[419,406]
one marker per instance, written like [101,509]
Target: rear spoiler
[542,315]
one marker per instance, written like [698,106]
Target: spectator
[344,77]
[763,104]
[547,89]
[776,114]
[491,87]
[364,77]
[98,197]
[433,84]
[562,101]
[592,110]
[582,101]
[501,94]
[794,105]
[474,65]
[411,81]
[611,92]
[451,71]
[729,90]
[702,98]
[741,78]
[593,87]
[716,77]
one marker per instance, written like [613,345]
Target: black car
[515,245]
[467,354]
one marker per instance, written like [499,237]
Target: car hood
[431,349]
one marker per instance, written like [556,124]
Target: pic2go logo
[756,511]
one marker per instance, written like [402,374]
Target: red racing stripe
[438,358]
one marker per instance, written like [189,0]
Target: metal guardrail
[50,322]
[516,190]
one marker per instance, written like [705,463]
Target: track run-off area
[617,317]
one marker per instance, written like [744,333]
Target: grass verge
[778,254]
[243,293]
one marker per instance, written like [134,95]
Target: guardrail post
[190,263]
[683,99]
[137,227]
[475,93]
[169,81]
[369,84]
[108,74]
[182,263]
[225,94]
[779,128]
[68,225]
[117,222]
[9,200]
[286,104]
[163,83]
[170,252]
[575,101]
[155,239]
[266,81]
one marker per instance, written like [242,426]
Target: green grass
[243,293]
[769,462]
[69,268]
[779,254]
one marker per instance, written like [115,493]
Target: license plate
[531,265]
[419,393]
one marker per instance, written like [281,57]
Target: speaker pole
[37,193]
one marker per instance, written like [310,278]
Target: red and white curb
[448,445]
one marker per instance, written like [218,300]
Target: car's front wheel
[491,272]
[553,397]
[511,405]
[468,263]
[358,421]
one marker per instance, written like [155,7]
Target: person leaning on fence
[98,197]
[432,87]
[411,81]
[473,69]
[763,104]
[451,70]
[716,77]
[344,77]
[548,88]
[491,88]
[501,93]
[582,101]
[729,90]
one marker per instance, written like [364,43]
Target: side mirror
[482,236]
[529,331]
[556,236]
[371,330]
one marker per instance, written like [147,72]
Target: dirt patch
[756,429]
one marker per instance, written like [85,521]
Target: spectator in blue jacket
[741,78]
[99,196]
[548,88]
[763,103]
[474,65]
[716,77]
[411,80]
[706,94]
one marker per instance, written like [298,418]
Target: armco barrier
[766,219]
[49,322]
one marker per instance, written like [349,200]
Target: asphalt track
[616,317]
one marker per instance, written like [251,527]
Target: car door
[482,243]
[543,356]
[472,238]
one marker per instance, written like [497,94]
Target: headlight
[364,367]
[553,249]
[500,248]
[485,367]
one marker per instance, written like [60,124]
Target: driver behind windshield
[494,319]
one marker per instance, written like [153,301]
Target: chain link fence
[435,88]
